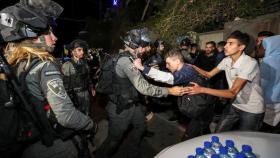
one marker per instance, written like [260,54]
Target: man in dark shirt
[207,59]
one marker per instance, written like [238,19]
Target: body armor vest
[124,92]
[78,80]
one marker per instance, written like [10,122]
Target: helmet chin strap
[132,51]
[43,45]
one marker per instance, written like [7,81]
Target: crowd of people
[145,72]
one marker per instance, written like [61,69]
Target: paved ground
[166,133]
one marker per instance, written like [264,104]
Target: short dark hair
[265,34]
[194,45]
[222,43]
[158,42]
[243,38]
[213,43]
[174,53]
[185,42]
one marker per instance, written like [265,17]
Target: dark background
[74,20]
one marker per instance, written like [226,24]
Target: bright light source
[115,2]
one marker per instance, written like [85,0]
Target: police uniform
[22,23]
[44,82]
[77,80]
[128,81]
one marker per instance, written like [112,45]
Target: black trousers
[118,125]
[200,125]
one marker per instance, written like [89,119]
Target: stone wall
[216,36]
[268,22]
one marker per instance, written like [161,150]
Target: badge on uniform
[57,88]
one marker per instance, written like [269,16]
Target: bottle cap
[207,144]
[229,143]
[215,139]
[191,156]
[223,150]
[246,148]
[199,151]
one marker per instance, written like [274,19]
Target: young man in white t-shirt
[243,77]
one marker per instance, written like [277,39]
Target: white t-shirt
[250,98]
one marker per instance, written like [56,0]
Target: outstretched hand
[177,91]
[195,89]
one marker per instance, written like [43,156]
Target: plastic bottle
[216,144]
[223,152]
[240,155]
[208,151]
[232,151]
[191,156]
[215,156]
[199,153]
[247,151]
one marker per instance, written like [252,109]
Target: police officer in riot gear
[77,79]
[185,48]
[26,25]
[123,108]
[156,59]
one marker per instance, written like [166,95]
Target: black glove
[91,132]
[88,135]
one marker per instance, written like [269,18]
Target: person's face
[172,64]
[147,49]
[193,50]
[142,50]
[50,39]
[259,40]
[220,49]
[209,48]
[184,47]
[78,52]
[232,47]
[259,48]
[161,47]
[260,51]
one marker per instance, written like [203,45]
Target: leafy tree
[179,17]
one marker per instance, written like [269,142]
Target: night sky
[71,21]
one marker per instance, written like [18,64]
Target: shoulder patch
[57,88]
[48,73]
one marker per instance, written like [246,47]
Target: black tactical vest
[79,79]
[124,92]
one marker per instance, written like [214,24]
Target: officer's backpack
[105,74]
[17,128]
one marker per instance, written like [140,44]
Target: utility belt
[122,103]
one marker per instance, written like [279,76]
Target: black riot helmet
[185,42]
[78,43]
[158,42]
[27,19]
[138,38]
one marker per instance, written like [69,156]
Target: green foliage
[179,17]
